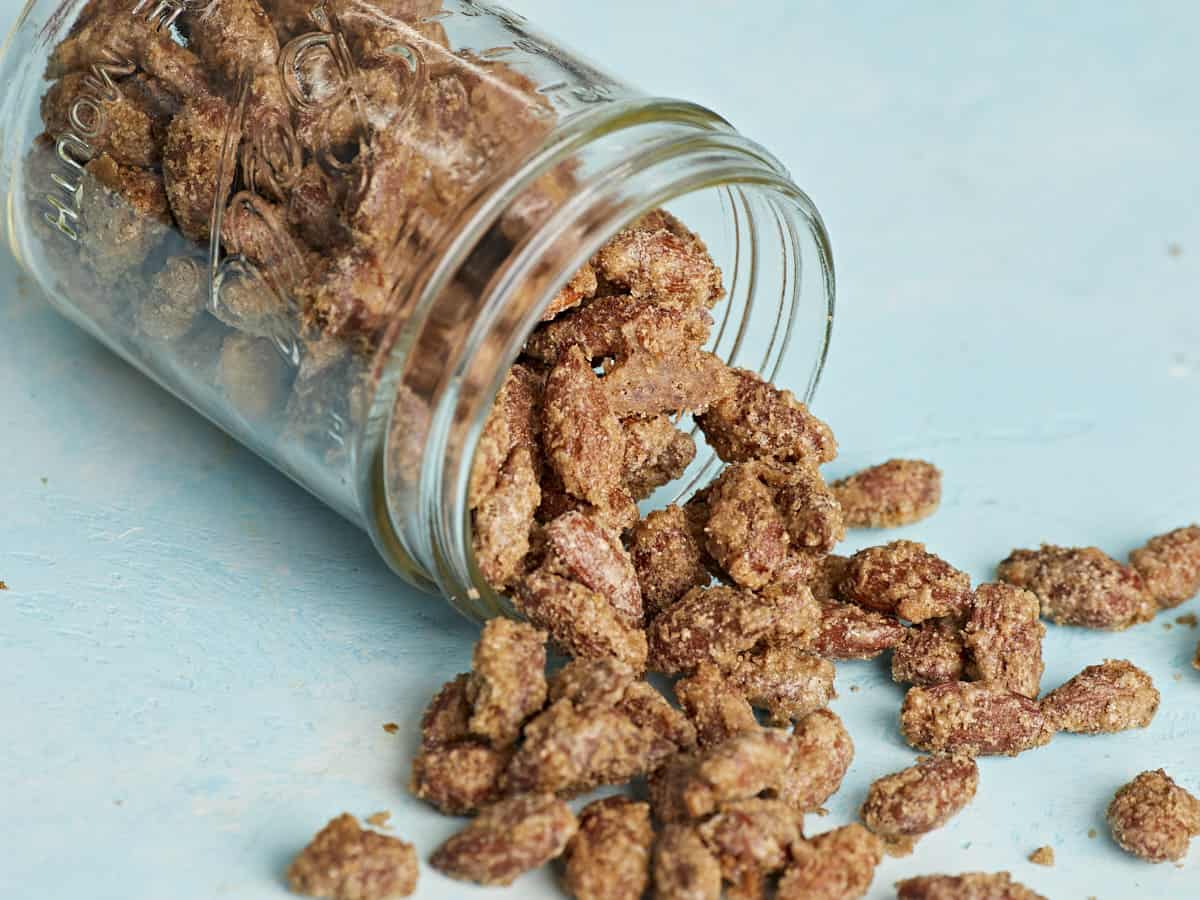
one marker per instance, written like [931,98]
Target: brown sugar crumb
[1154,818]
[920,798]
[1003,637]
[583,439]
[745,532]
[580,621]
[459,778]
[585,551]
[757,421]
[903,579]
[836,865]
[684,867]
[380,819]
[1042,856]
[968,886]
[972,719]
[787,682]
[667,558]
[821,755]
[751,837]
[1170,566]
[1092,833]
[1113,696]
[716,710]
[507,839]
[3,586]
[933,652]
[851,632]
[609,856]
[690,787]
[894,493]
[1080,586]
[716,624]
[1189,619]
[508,682]
[346,862]
[827,577]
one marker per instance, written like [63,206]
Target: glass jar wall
[330,227]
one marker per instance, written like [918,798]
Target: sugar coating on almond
[837,864]
[895,493]
[968,886]
[1154,818]
[1113,696]
[347,862]
[904,579]
[668,559]
[1080,586]
[921,798]
[933,652]
[507,839]
[1170,566]
[1003,638]
[972,719]
[609,856]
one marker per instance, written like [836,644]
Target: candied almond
[661,263]
[1154,818]
[583,439]
[508,681]
[751,836]
[668,559]
[684,867]
[921,798]
[848,631]
[656,453]
[716,624]
[504,520]
[591,683]
[904,579]
[821,755]
[1003,638]
[693,786]
[811,513]
[786,681]
[1113,696]
[972,719]
[192,158]
[1170,566]
[507,839]
[716,709]
[897,492]
[582,286]
[836,865]
[745,532]
[757,421]
[1080,586]
[458,778]
[592,555]
[514,420]
[968,886]
[448,716]
[347,862]
[609,856]
[931,653]
[580,621]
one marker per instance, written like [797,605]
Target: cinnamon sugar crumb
[391,728]
[1042,856]
[380,819]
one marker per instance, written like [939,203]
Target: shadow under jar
[331,227]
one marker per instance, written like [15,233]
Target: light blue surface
[198,659]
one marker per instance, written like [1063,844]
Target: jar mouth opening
[761,230]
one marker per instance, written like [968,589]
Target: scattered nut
[903,579]
[920,798]
[1170,566]
[1110,697]
[894,493]
[346,862]
[968,886]
[973,719]
[1003,638]
[609,856]
[1154,818]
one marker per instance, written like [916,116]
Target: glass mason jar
[330,227]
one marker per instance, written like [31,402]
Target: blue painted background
[197,659]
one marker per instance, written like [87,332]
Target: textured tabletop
[197,658]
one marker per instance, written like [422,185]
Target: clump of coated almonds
[737,597]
